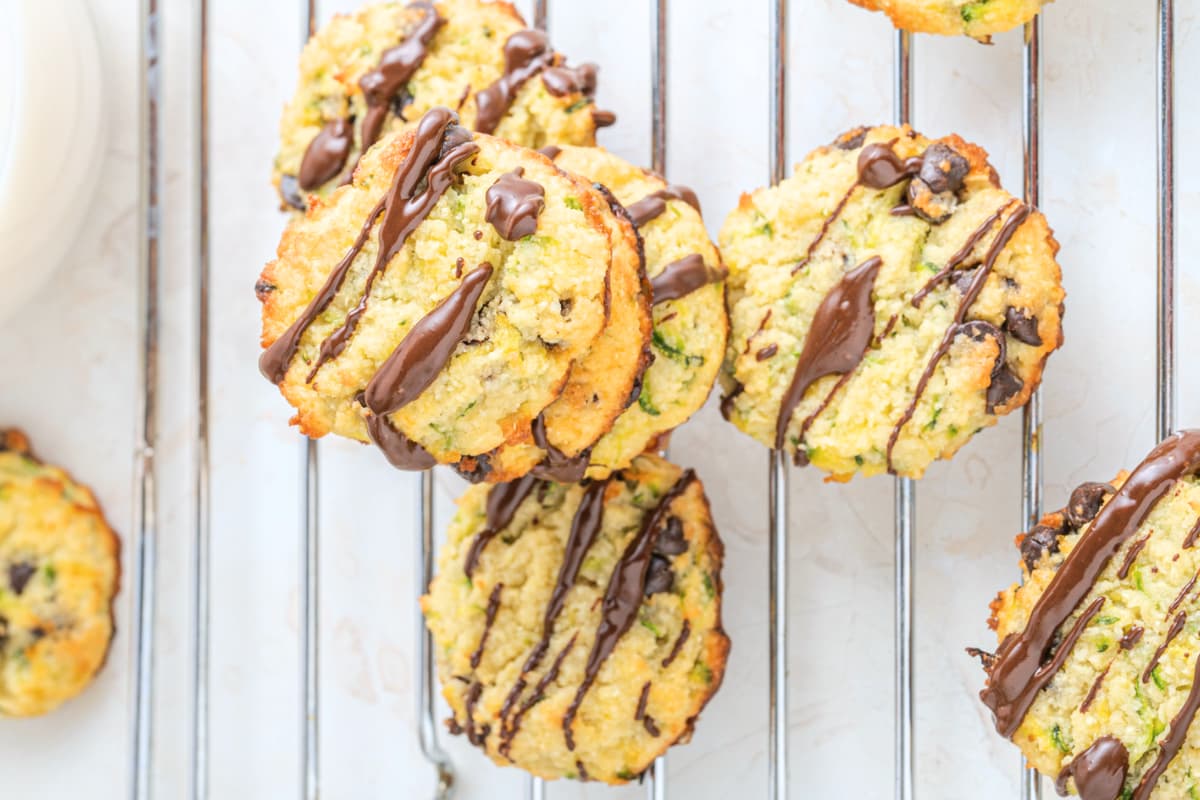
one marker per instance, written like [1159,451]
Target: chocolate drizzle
[682,277]
[1099,771]
[502,503]
[1193,534]
[420,181]
[507,734]
[1094,690]
[640,715]
[655,203]
[326,154]
[427,347]
[585,527]
[623,597]
[679,642]
[961,255]
[400,451]
[839,335]
[1176,626]
[513,205]
[382,86]
[562,80]
[493,606]
[1131,637]
[880,168]
[1179,598]
[1174,739]
[1021,670]
[431,158]
[1003,236]
[558,466]
[526,53]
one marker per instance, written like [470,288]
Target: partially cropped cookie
[689,323]
[578,626]
[887,302]
[59,572]
[1097,677]
[376,71]
[978,19]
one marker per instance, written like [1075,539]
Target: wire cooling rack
[144,546]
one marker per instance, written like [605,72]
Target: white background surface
[70,356]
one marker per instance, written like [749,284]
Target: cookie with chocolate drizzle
[1097,674]
[887,302]
[578,626]
[59,573]
[437,305]
[378,70]
[683,352]
[978,19]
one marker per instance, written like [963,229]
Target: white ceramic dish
[52,138]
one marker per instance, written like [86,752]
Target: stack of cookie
[538,321]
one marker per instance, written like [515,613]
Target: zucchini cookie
[437,305]
[1097,677]
[578,626]
[378,70]
[978,19]
[59,572]
[887,301]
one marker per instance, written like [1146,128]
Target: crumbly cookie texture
[59,572]
[887,301]
[404,59]
[1096,679]
[519,252]
[690,331]
[578,626]
[978,19]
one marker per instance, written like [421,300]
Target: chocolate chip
[289,187]
[851,139]
[1085,503]
[670,540]
[565,305]
[38,632]
[603,119]
[3,631]
[1041,538]
[19,575]
[963,278]
[800,457]
[1021,327]
[1004,386]
[979,330]
[943,169]
[478,235]
[262,289]
[931,206]
[660,578]
[767,352]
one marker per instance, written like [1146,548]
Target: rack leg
[426,723]
[777,752]
[1166,407]
[309,638]
[905,513]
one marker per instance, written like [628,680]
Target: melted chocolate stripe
[1131,556]
[841,331]
[558,466]
[679,642]
[1017,675]
[419,183]
[400,451]
[1173,741]
[585,527]
[326,153]
[1095,690]
[961,255]
[812,246]
[1005,233]
[682,277]
[623,597]
[396,67]
[274,362]
[508,734]
[1187,587]
[427,347]
[655,203]
[1099,771]
[1176,626]
[1193,534]
[526,53]
[493,606]
[502,503]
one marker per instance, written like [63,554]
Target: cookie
[577,627]
[59,572]
[1097,677]
[887,301]
[377,71]
[438,304]
[978,19]
[687,285]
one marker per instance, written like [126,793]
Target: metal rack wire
[146,431]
